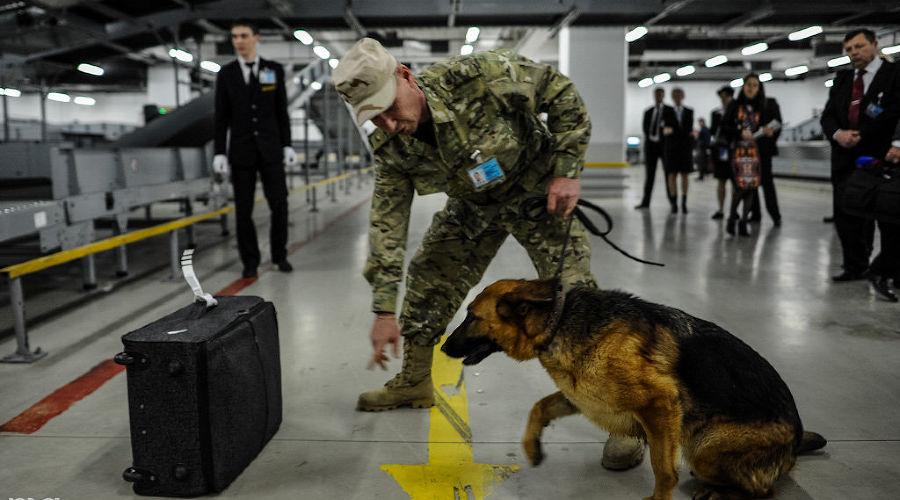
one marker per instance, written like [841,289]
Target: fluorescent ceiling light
[838,61]
[472,34]
[316,85]
[466,49]
[181,55]
[90,69]
[756,48]
[304,37]
[796,70]
[210,66]
[829,83]
[737,82]
[322,52]
[84,101]
[685,70]
[646,82]
[715,61]
[662,78]
[10,92]
[59,97]
[765,77]
[333,63]
[633,141]
[805,33]
[635,34]
[891,50]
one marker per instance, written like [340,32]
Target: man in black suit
[886,265]
[653,143]
[678,126]
[251,102]
[859,118]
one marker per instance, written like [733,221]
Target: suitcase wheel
[129,359]
[133,475]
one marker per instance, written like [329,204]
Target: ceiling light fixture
[685,70]
[90,69]
[716,61]
[756,48]
[304,37]
[805,33]
[472,34]
[796,70]
[210,66]
[635,34]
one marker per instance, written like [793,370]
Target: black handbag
[873,192]
[887,197]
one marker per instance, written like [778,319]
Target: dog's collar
[559,302]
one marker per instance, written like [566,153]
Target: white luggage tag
[187,269]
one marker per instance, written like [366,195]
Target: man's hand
[893,155]
[847,138]
[220,164]
[385,331]
[562,195]
[290,156]
[668,131]
[769,131]
[746,135]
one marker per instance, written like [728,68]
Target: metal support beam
[353,21]
[23,352]
[174,256]
[671,8]
[455,9]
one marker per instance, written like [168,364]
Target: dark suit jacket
[648,118]
[679,145]
[731,131]
[258,117]
[875,133]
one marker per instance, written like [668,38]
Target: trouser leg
[651,157]
[856,233]
[243,179]
[446,266]
[767,180]
[275,189]
[887,262]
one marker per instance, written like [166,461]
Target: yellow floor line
[451,471]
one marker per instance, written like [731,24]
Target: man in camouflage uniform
[471,127]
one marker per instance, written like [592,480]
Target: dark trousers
[653,152]
[243,178]
[887,262]
[767,183]
[856,233]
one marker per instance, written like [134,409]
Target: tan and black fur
[641,369]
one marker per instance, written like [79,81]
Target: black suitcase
[204,395]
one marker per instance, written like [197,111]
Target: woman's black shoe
[729,227]
[718,215]
[742,228]
[882,285]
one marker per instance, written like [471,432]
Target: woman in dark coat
[753,120]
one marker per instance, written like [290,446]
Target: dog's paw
[533,451]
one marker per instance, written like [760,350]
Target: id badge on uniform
[873,110]
[267,77]
[487,173]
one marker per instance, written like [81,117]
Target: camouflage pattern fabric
[490,102]
[449,263]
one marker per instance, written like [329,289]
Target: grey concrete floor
[837,347]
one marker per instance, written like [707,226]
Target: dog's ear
[525,298]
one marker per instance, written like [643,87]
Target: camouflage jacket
[488,102]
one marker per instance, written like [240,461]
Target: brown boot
[411,387]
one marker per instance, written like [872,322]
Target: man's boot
[411,387]
[621,452]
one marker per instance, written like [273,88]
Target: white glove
[290,157]
[220,164]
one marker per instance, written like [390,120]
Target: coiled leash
[535,209]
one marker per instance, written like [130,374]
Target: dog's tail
[811,441]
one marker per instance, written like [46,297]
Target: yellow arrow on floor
[451,472]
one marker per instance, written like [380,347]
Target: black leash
[535,209]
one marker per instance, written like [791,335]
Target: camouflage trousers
[450,261]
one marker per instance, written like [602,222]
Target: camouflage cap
[365,79]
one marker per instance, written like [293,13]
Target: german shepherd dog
[646,370]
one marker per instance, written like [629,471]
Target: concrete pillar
[596,59]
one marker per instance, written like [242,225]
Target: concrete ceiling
[46,39]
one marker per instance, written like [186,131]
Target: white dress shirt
[246,71]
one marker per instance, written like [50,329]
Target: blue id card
[873,110]
[486,173]
[267,77]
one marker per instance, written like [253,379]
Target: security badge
[873,110]
[266,77]
[487,173]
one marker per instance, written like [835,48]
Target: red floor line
[61,399]
[32,419]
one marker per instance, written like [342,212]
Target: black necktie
[654,124]
[252,79]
